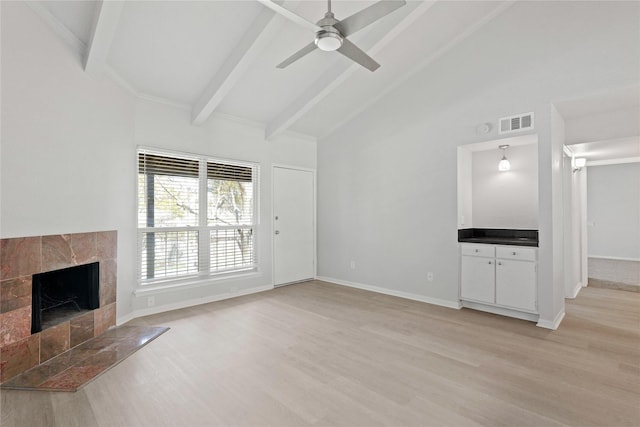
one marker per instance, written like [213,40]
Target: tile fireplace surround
[22,257]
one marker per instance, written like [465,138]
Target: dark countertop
[499,236]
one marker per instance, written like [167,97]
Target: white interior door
[294,225]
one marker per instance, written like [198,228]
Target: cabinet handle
[514,252]
[477,251]
[499,263]
[489,262]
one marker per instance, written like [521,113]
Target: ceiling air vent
[516,123]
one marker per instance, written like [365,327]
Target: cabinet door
[477,279]
[516,284]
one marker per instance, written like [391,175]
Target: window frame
[203,228]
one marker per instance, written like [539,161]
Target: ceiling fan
[331,33]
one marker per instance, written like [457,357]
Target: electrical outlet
[151,301]
[430,276]
[353,265]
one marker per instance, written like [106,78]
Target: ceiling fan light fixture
[328,40]
[331,34]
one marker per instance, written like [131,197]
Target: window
[196,216]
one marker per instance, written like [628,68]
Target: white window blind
[196,216]
[230,213]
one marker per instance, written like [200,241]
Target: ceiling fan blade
[354,53]
[299,54]
[289,15]
[367,16]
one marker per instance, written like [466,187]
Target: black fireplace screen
[63,294]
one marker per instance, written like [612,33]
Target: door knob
[277,231]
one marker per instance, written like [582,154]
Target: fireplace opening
[61,295]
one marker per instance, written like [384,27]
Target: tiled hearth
[20,258]
[76,367]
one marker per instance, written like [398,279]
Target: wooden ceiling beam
[252,44]
[335,76]
[103,31]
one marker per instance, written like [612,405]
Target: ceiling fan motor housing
[331,34]
[328,38]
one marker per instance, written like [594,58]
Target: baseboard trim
[609,284]
[531,317]
[613,258]
[576,290]
[385,291]
[196,301]
[124,319]
[554,324]
[194,283]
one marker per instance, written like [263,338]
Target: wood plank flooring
[322,354]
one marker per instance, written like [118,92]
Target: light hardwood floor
[322,354]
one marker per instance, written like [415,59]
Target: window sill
[195,282]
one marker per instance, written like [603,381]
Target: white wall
[69,154]
[550,212]
[573,228]
[613,211]
[567,222]
[465,188]
[506,199]
[614,124]
[166,127]
[387,180]
[66,143]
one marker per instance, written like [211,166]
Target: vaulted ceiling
[221,56]
[603,126]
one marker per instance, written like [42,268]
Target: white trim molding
[105,25]
[575,291]
[551,324]
[613,161]
[121,320]
[58,27]
[502,311]
[197,301]
[613,258]
[193,283]
[400,294]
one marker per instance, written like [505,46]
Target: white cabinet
[503,276]
[478,273]
[478,279]
[516,284]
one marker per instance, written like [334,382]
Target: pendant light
[504,164]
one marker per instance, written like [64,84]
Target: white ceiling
[604,126]
[170,49]
[220,56]
[619,99]
[611,149]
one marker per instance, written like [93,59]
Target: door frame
[273,223]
